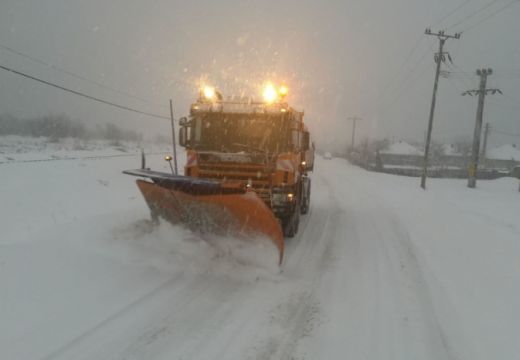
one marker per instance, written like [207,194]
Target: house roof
[402,148]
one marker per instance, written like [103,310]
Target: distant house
[401,154]
[450,150]
[445,160]
[401,148]
[503,157]
[504,152]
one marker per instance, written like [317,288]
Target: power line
[473,14]
[453,84]
[412,51]
[82,94]
[464,77]
[59,69]
[401,68]
[408,80]
[411,81]
[504,132]
[452,12]
[492,14]
[510,100]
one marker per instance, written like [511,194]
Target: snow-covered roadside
[78,254]
[55,275]
[467,243]
[19,149]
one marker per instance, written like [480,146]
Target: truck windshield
[240,132]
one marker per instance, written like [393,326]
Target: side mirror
[306,141]
[183,121]
[183,136]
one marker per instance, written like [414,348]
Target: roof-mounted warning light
[272,94]
[209,93]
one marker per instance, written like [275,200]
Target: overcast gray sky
[340,58]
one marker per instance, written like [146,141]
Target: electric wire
[473,14]
[414,48]
[407,81]
[404,89]
[465,76]
[491,15]
[83,94]
[460,6]
[412,75]
[70,73]
[504,132]
[401,68]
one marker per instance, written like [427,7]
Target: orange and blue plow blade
[209,206]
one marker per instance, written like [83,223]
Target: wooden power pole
[484,146]
[481,92]
[439,57]
[352,141]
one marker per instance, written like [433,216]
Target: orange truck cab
[264,145]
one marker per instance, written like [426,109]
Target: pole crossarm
[355,118]
[486,91]
[441,34]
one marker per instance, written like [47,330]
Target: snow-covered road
[380,270]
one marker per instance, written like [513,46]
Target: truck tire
[306,198]
[292,222]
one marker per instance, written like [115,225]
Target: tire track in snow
[350,240]
[170,298]
[310,256]
[122,312]
[185,325]
[398,273]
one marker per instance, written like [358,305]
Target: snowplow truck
[246,171]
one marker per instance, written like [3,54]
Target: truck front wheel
[306,196]
[291,223]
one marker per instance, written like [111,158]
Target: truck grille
[260,178]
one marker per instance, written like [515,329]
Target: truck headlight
[279,199]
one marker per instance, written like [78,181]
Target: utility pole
[481,92]
[173,138]
[354,119]
[439,57]
[484,146]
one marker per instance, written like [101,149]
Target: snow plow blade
[209,206]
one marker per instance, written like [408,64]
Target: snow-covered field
[380,269]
